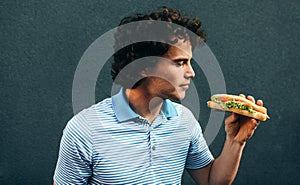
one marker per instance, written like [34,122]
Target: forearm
[225,167]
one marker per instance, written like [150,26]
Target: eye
[181,62]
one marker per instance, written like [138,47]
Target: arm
[224,169]
[75,153]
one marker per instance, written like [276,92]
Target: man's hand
[240,128]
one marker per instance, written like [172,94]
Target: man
[139,136]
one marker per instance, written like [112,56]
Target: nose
[189,71]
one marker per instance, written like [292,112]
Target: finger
[242,95]
[255,123]
[251,98]
[259,102]
[232,118]
[258,122]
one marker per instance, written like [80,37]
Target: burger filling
[241,106]
[232,104]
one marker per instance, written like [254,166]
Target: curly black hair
[129,48]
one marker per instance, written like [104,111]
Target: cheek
[169,74]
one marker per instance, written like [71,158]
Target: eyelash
[181,63]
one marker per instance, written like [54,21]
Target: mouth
[185,86]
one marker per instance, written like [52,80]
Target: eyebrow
[180,59]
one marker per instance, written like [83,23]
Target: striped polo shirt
[109,143]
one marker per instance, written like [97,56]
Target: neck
[143,103]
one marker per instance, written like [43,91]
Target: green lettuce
[241,106]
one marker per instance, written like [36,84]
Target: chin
[173,95]
[181,95]
[177,97]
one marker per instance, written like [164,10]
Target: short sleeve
[199,154]
[74,165]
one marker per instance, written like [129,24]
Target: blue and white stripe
[110,144]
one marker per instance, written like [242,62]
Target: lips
[185,86]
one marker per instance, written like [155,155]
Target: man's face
[170,77]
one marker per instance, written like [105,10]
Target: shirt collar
[169,109]
[124,112]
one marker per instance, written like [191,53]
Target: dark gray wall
[255,42]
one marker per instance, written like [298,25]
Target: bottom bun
[257,115]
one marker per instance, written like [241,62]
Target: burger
[239,105]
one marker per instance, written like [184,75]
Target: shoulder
[102,107]
[90,116]
[183,111]
[187,118]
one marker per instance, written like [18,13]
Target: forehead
[181,48]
